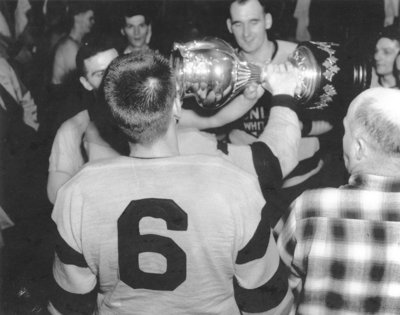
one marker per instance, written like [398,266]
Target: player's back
[163,234]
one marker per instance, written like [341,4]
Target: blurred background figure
[136,28]
[64,82]
[69,152]
[386,50]
[82,21]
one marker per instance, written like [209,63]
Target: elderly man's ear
[362,149]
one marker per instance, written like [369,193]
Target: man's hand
[209,96]
[253,91]
[280,79]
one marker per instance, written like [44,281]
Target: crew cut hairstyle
[383,130]
[140,90]
[93,45]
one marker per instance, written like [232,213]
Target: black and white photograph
[193,157]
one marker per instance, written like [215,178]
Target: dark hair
[77,6]
[93,45]
[266,4]
[137,8]
[139,90]
[392,32]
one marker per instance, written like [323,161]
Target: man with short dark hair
[66,156]
[249,22]
[342,244]
[147,227]
[136,28]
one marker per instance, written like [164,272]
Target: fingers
[250,92]
[320,127]
[280,78]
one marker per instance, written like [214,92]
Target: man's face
[86,20]
[386,51]
[95,67]
[248,23]
[137,31]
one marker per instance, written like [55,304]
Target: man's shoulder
[221,168]
[77,123]
[285,49]
[66,47]
[67,43]
[320,202]
[193,141]
[94,172]
[286,46]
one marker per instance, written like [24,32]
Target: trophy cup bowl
[211,71]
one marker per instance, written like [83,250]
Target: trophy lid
[330,72]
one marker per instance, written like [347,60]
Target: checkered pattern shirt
[343,248]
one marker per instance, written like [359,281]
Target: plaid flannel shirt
[343,248]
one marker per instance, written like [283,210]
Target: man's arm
[54,181]
[74,284]
[285,231]
[14,86]
[275,153]
[235,109]
[261,280]
[270,294]
[65,158]
[282,132]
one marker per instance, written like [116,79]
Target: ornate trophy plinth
[211,71]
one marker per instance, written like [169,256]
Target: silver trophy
[212,72]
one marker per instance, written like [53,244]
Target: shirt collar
[374,182]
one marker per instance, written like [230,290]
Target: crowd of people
[118,196]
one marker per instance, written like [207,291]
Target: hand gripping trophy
[211,71]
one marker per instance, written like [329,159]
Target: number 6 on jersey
[131,243]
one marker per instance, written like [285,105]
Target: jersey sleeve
[282,135]
[74,290]
[261,280]
[65,154]
[287,244]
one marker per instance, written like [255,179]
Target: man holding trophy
[172,233]
[143,95]
[217,75]
[248,22]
